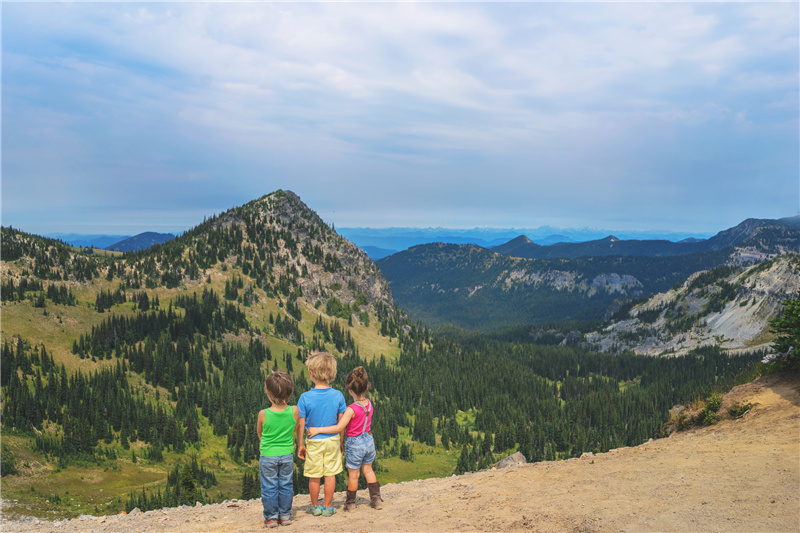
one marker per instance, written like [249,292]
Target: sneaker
[271,523]
[287,522]
[327,511]
[317,510]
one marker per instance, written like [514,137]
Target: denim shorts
[359,450]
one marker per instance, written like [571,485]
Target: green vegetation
[473,288]
[737,410]
[141,385]
[787,327]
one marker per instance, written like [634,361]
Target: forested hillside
[522,283]
[160,355]
[474,288]
[134,380]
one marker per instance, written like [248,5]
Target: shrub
[8,463]
[714,402]
[737,410]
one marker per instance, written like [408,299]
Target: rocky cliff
[727,306]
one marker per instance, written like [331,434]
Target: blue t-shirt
[320,408]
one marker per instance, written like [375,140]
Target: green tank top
[277,433]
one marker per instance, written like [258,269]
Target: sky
[129,117]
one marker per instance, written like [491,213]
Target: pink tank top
[361,422]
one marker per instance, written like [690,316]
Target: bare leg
[330,486]
[352,481]
[368,473]
[313,490]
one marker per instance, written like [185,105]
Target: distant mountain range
[83,240]
[118,243]
[140,242]
[476,288]
[784,235]
[380,242]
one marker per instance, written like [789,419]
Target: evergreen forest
[157,359]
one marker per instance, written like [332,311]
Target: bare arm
[342,431]
[260,424]
[300,429]
[343,420]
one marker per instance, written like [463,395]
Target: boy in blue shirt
[321,406]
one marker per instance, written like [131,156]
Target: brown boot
[350,502]
[375,495]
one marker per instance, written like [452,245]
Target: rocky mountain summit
[740,475]
[323,262]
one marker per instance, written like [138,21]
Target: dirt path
[739,475]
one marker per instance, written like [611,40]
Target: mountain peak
[522,239]
[318,260]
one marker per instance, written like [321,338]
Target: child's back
[276,427]
[323,452]
[321,407]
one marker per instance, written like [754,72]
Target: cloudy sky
[129,117]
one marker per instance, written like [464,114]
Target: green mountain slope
[138,362]
[475,288]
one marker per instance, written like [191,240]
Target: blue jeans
[276,486]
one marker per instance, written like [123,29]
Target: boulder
[512,460]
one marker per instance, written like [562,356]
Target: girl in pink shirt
[359,446]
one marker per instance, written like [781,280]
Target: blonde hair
[279,387]
[323,365]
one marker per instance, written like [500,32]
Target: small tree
[188,489]
[787,326]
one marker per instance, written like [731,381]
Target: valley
[121,371]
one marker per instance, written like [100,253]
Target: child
[359,444]
[276,427]
[321,406]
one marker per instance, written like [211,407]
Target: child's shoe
[350,502]
[375,495]
[286,522]
[328,511]
[271,523]
[317,510]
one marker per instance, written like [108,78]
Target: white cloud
[442,97]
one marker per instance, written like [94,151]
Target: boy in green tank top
[276,428]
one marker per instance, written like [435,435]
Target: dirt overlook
[738,475]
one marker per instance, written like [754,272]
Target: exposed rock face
[754,297]
[512,460]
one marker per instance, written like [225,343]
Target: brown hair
[323,365]
[357,380]
[279,387]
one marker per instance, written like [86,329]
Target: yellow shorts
[323,457]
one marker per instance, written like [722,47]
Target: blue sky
[129,117]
